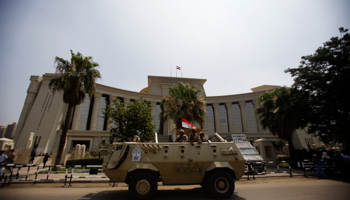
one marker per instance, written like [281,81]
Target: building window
[309,141]
[100,116]
[251,120]
[210,123]
[223,125]
[157,118]
[84,113]
[237,120]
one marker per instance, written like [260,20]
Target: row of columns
[94,114]
[230,118]
[97,97]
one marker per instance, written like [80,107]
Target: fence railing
[13,172]
[271,170]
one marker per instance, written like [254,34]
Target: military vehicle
[214,165]
[254,162]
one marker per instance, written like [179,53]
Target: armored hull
[176,164]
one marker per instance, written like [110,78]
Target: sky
[235,45]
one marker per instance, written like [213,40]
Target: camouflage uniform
[181,138]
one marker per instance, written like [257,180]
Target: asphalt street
[262,188]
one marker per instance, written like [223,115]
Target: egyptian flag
[187,124]
[177,67]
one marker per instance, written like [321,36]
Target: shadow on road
[181,194]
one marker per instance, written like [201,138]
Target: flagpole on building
[181,72]
[170,70]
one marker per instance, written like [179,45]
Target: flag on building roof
[187,124]
[177,67]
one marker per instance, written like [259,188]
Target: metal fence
[13,172]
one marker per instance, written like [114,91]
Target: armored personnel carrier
[213,165]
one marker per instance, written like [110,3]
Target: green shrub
[85,161]
[283,158]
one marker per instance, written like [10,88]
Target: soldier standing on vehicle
[193,136]
[201,137]
[181,137]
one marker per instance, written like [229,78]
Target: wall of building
[10,130]
[44,112]
[2,131]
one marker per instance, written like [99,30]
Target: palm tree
[184,101]
[76,79]
[279,113]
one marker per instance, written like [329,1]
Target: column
[76,118]
[111,99]
[126,102]
[256,105]
[95,111]
[153,111]
[216,114]
[229,116]
[33,89]
[244,116]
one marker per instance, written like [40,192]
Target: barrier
[254,172]
[9,169]
[307,165]
[93,170]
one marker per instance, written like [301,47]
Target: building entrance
[81,142]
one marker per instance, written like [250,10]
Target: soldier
[201,137]
[182,137]
[193,136]
[136,137]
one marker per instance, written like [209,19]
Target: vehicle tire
[143,186]
[220,184]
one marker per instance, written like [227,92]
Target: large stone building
[10,130]
[2,131]
[44,112]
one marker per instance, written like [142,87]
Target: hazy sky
[235,45]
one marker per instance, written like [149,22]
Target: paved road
[260,189]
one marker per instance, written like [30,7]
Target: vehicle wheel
[143,186]
[220,184]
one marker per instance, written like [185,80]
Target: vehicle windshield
[248,151]
[119,147]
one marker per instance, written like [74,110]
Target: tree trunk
[64,135]
[291,151]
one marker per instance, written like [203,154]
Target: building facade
[2,131]
[10,130]
[44,112]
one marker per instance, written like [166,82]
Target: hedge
[283,158]
[85,161]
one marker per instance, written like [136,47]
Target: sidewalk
[28,175]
